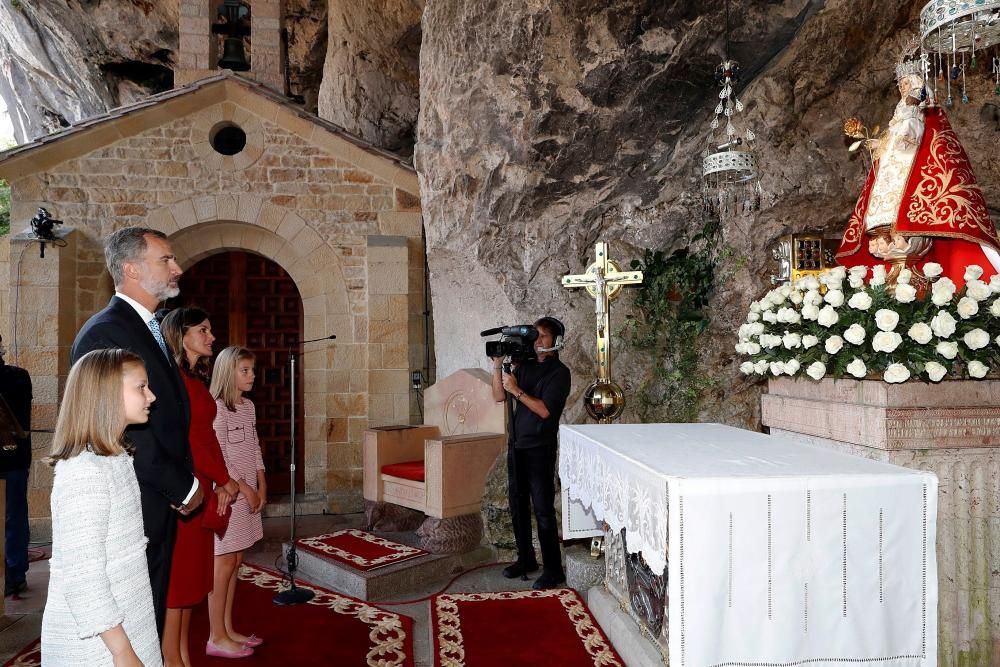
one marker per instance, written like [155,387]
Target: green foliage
[672,316]
[4,208]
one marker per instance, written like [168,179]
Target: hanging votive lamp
[730,183]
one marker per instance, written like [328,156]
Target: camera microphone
[491,332]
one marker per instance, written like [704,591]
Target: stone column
[42,328]
[197,52]
[267,57]
[951,429]
[388,331]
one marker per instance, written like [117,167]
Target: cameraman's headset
[560,334]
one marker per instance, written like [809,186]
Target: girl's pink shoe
[216,652]
[253,641]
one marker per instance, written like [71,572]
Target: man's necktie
[154,327]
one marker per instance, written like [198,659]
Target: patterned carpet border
[449,642]
[396,552]
[388,636]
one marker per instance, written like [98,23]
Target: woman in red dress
[189,335]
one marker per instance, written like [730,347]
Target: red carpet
[332,629]
[360,550]
[30,656]
[545,628]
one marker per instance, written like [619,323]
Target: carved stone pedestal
[951,429]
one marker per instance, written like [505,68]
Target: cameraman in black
[537,391]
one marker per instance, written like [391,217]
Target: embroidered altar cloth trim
[781,552]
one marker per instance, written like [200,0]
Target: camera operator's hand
[497,362]
[510,384]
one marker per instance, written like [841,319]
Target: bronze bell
[233,55]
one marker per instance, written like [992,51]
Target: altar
[774,552]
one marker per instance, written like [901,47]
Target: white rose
[795,297]
[886,341]
[760,368]
[973,272]
[995,308]
[905,293]
[756,329]
[792,366]
[752,348]
[791,316]
[932,269]
[896,373]
[967,307]
[935,371]
[755,307]
[770,341]
[816,370]
[878,276]
[812,297]
[777,368]
[741,348]
[943,292]
[947,349]
[835,298]
[746,368]
[791,340]
[859,271]
[782,314]
[855,334]
[921,333]
[860,301]
[810,312]
[943,324]
[978,369]
[857,368]
[753,317]
[809,341]
[995,283]
[834,344]
[976,339]
[904,277]
[785,290]
[856,283]
[978,290]
[810,283]
[886,319]
[827,317]
[769,316]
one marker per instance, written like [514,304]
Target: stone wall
[330,213]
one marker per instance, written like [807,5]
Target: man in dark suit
[15,462]
[145,272]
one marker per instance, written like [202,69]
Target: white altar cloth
[780,553]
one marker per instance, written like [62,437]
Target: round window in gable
[228,138]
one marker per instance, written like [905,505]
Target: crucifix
[603,280]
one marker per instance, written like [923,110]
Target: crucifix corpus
[603,280]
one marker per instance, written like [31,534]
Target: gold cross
[603,281]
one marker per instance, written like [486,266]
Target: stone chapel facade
[339,216]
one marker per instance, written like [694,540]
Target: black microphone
[491,332]
[315,340]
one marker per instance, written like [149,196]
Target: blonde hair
[225,385]
[92,414]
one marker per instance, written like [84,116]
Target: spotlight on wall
[43,227]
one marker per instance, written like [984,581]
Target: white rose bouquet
[829,328]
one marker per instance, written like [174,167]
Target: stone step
[632,644]
[391,582]
[305,503]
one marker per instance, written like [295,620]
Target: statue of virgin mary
[920,202]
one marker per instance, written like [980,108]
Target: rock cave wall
[539,122]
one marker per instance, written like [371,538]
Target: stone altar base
[392,582]
[951,429]
[453,535]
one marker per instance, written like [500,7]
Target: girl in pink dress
[236,429]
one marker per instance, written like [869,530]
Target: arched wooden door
[253,302]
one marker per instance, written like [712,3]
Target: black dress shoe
[519,569]
[549,580]
[15,588]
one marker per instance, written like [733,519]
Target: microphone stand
[294,594]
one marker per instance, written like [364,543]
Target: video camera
[516,342]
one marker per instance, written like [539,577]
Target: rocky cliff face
[65,60]
[370,82]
